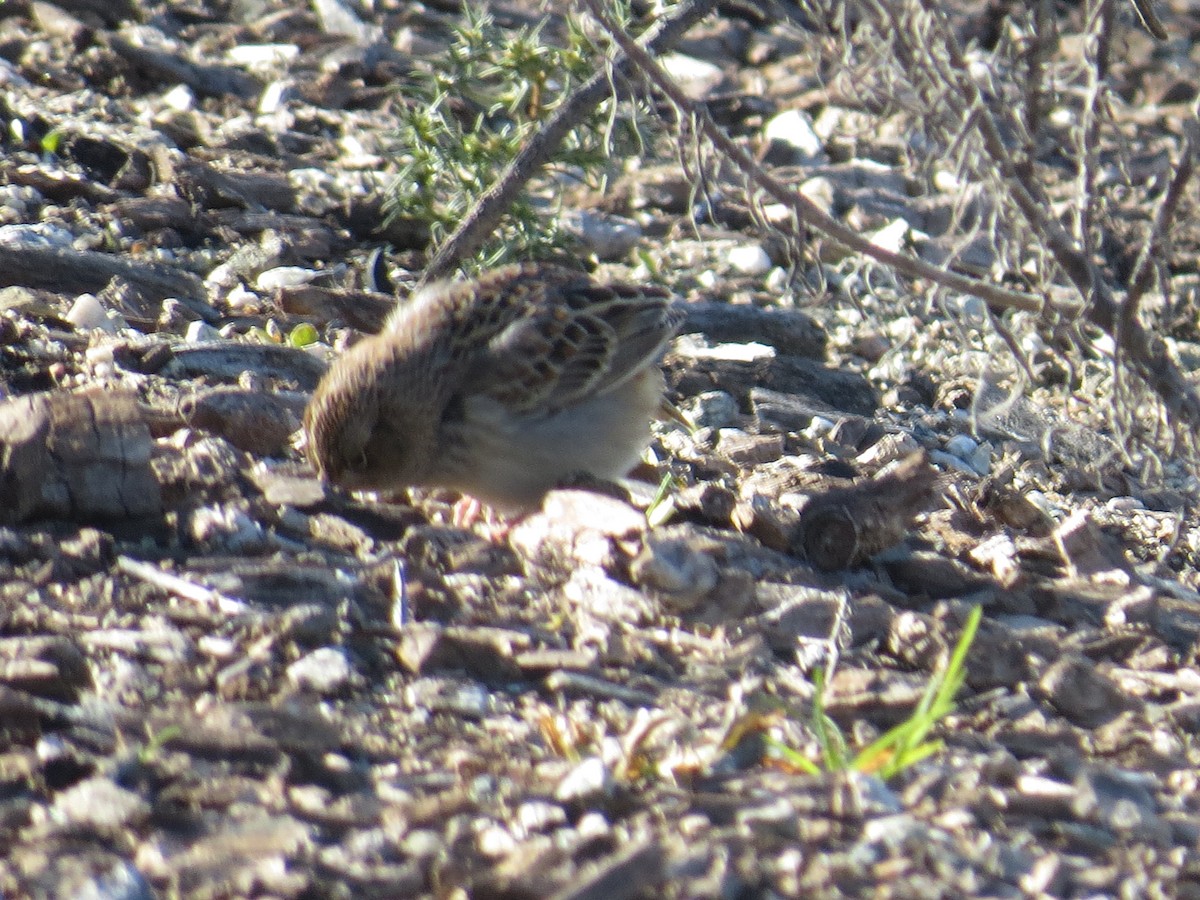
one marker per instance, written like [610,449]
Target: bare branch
[804,209]
[485,215]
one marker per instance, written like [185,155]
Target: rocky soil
[221,678]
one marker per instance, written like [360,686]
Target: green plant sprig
[904,744]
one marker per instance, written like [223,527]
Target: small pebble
[1125,504]
[607,236]
[88,314]
[199,332]
[242,299]
[695,76]
[325,671]
[818,427]
[793,129]
[180,99]
[275,96]
[891,236]
[971,310]
[262,56]
[947,182]
[226,527]
[962,446]
[284,276]
[711,409]
[588,778]
[749,259]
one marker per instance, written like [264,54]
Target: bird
[499,387]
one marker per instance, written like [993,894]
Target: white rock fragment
[179,98]
[710,409]
[242,298]
[889,448]
[40,235]
[275,96]
[494,841]
[608,237]
[891,236]
[794,130]
[817,428]
[778,213]
[695,76]
[88,314]
[199,332]
[262,56]
[284,276]
[325,671]
[820,190]
[947,182]
[226,526]
[749,259]
[587,779]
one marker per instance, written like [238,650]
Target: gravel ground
[221,678]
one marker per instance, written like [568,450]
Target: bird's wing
[571,340]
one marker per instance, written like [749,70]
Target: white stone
[242,298]
[39,235]
[275,96]
[179,98]
[262,56]
[325,671]
[587,779]
[962,446]
[749,259]
[199,332]
[87,314]
[794,128]
[608,237]
[891,236]
[695,76]
[284,276]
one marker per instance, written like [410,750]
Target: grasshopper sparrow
[500,387]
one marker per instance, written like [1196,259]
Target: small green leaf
[53,141]
[303,335]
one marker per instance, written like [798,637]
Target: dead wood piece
[631,872]
[228,361]
[44,665]
[85,271]
[850,525]
[252,190]
[256,422]
[1041,431]
[210,81]
[154,213]
[75,456]
[308,238]
[108,12]
[59,186]
[787,330]
[832,390]
[363,310]
[780,411]
[480,651]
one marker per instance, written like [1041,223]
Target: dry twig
[485,215]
